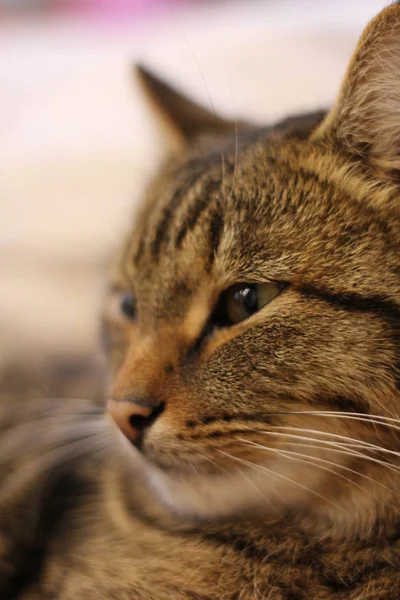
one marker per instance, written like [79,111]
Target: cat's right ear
[182,119]
[366,116]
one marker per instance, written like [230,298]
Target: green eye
[242,300]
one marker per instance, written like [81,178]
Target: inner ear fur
[366,115]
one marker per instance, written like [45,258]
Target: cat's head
[253,316]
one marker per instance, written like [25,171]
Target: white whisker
[20,440]
[312,459]
[336,448]
[231,456]
[51,415]
[375,419]
[52,459]
[208,459]
[356,443]
[276,475]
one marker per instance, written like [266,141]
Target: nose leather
[127,414]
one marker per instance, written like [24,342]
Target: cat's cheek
[117,339]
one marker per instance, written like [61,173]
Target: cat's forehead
[186,218]
[265,204]
[214,181]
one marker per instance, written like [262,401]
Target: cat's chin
[203,496]
[211,496]
[267,490]
[197,490]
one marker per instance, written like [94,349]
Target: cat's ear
[182,119]
[366,116]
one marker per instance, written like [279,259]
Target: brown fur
[224,499]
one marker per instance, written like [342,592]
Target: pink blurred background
[137,9]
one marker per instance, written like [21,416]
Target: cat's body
[253,337]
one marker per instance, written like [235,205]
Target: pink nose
[132,416]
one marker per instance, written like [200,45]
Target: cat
[250,448]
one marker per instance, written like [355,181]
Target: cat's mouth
[211,452]
[201,446]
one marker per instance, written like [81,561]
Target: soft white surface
[77,142]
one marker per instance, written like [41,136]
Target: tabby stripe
[196,211]
[191,176]
[219,434]
[265,418]
[139,252]
[126,262]
[329,189]
[216,227]
[342,403]
[149,210]
[167,215]
[353,302]
[380,306]
[194,170]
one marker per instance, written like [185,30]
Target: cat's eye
[121,306]
[128,306]
[242,300]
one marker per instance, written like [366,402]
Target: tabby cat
[251,446]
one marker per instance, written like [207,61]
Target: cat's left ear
[182,119]
[366,116]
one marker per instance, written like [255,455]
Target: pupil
[249,299]
[128,306]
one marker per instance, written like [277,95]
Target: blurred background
[77,143]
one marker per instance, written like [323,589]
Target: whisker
[193,466]
[208,459]
[375,419]
[347,446]
[352,441]
[345,452]
[51,402]
[55,458]
[54,417]
[344,468]
[335,447]
[345,413]
[325,461]
[263,496]
[298,456]
[200,71]
[231,456]
[56,413]
[20,440]
[275,475]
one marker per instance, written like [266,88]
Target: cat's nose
[133,415]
